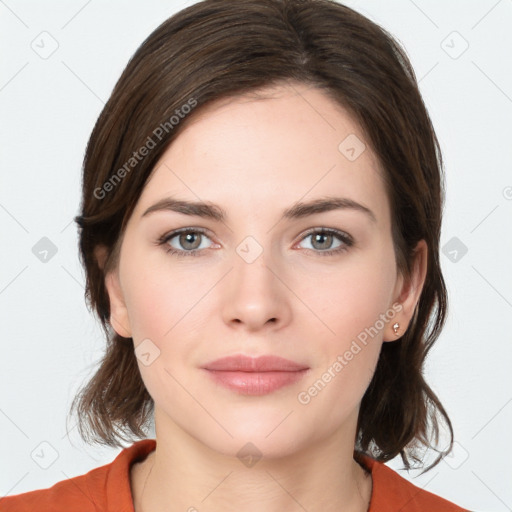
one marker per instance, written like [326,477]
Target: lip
[255,375]
[241,363]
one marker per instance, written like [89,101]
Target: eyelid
[175,232]
[322,229]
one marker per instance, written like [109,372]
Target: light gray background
[50,342]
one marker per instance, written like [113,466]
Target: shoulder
[104,488]
[392,492]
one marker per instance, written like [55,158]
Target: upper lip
[243,363]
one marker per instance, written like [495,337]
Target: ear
[407,293]
[118,310]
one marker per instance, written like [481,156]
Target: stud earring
[395,328]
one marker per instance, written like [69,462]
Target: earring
[395,328]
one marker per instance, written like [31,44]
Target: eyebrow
[297,211]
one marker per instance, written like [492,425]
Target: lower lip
[255,383]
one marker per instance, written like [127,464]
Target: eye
[322,240]
[187,238]
[190,241]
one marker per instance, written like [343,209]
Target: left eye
[322,240]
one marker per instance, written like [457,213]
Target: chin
[265,438]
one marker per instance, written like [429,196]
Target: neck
[184,474]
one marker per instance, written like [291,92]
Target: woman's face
[259,282]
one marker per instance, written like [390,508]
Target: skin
[255,158]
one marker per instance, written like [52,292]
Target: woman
[260,223]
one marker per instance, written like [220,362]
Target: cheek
[165,306]
[151,311]
[352,298]
[352,305]
[160,296]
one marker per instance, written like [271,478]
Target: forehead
[287,144]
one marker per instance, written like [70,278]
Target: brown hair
[217,50]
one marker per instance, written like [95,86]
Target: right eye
[188,239]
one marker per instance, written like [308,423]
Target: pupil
[319,236]
[189,239]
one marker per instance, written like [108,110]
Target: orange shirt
[107,489]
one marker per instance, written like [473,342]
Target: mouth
[255,376]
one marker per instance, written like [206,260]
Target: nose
[255,296]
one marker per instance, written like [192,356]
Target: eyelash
[343,237]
